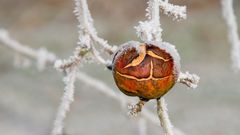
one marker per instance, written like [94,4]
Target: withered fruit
[144,70]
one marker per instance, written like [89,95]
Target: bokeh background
[29,98]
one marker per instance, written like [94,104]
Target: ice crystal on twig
[191,80]
[150,30]
[147,32]
[178,12]
[87,29]
[67,99]
[87,39]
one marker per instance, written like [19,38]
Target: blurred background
[29,98]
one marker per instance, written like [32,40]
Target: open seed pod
[146,70]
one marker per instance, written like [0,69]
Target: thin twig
[87,38]
[191,80]
[178,12]
[41,55]
[67,99]
[163,116]
[150,29]
[86,24]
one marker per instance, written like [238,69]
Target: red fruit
[144,70]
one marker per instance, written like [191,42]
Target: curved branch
[86,24]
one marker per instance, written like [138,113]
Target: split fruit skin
[145,71]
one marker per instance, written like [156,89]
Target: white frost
[163,117]
[229,16]
[178,12]
[67,99]
[149,31]
[191,80]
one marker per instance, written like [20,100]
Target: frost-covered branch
[150,29]
[42,55]
[67,99]
[72,61]
[50,58]
[163,117]
[178,12]
[229,17]
[191,80]
[87,28]
[100,86]
[87,39]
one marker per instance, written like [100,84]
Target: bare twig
[229,17]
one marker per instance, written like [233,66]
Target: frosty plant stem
[163,116]
[67,99]
[42,55]
[150,31]
[229,17]
[86,27]
[100,86]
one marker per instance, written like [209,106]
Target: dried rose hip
[144,70]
